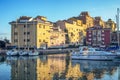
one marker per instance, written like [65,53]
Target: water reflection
[91,70]
[55,67]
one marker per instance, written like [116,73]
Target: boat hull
[93,57]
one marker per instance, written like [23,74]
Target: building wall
[57,38]
[43,34]
[75,32]
[35,33]
[99,22]
[87,19]
[23,34]
[111,24]
[98,36]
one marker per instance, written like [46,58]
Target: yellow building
[75,30]
[35,32]
[99,22]
[30,32]
[57,38]
[111,24]
[86,19]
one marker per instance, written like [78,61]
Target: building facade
[74,30]
[99,22]
[98,36]
[57,38]
[86,19]
[111,24]
[32,32]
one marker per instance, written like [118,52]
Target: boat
[90,53]
[12,52]
[23,53]
[33,53]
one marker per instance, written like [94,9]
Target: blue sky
[53,9]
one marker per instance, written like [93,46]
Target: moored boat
[12,52]
[90,53]
[33,53]
[23,53]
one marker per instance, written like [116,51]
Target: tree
[6,41]
[2,44]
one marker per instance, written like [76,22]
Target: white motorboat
[33,53]
[89,53]
[23,53]
[12,52]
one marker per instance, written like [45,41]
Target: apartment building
[86,19]
[98,36]
[57,38]
[32,32]
[99,22]
[74,29]
[111,24]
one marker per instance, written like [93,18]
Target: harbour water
[57,67]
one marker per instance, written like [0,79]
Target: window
[39,40]
[28,33]
[89,31]
[89,35]
[24,33]
[90,39]
[52,43]
[24,26]
[43,26]
[43,40]
[102,38]
[40,26]
[103,35]
[28,40]
[62,35]
[15,33]
[15,26]
[16,40]
[43,33]
[103,42]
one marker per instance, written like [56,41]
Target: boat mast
[117,22]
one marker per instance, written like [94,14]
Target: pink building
[98,36]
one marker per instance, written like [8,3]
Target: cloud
[3,33]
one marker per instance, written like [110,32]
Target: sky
[54,10]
